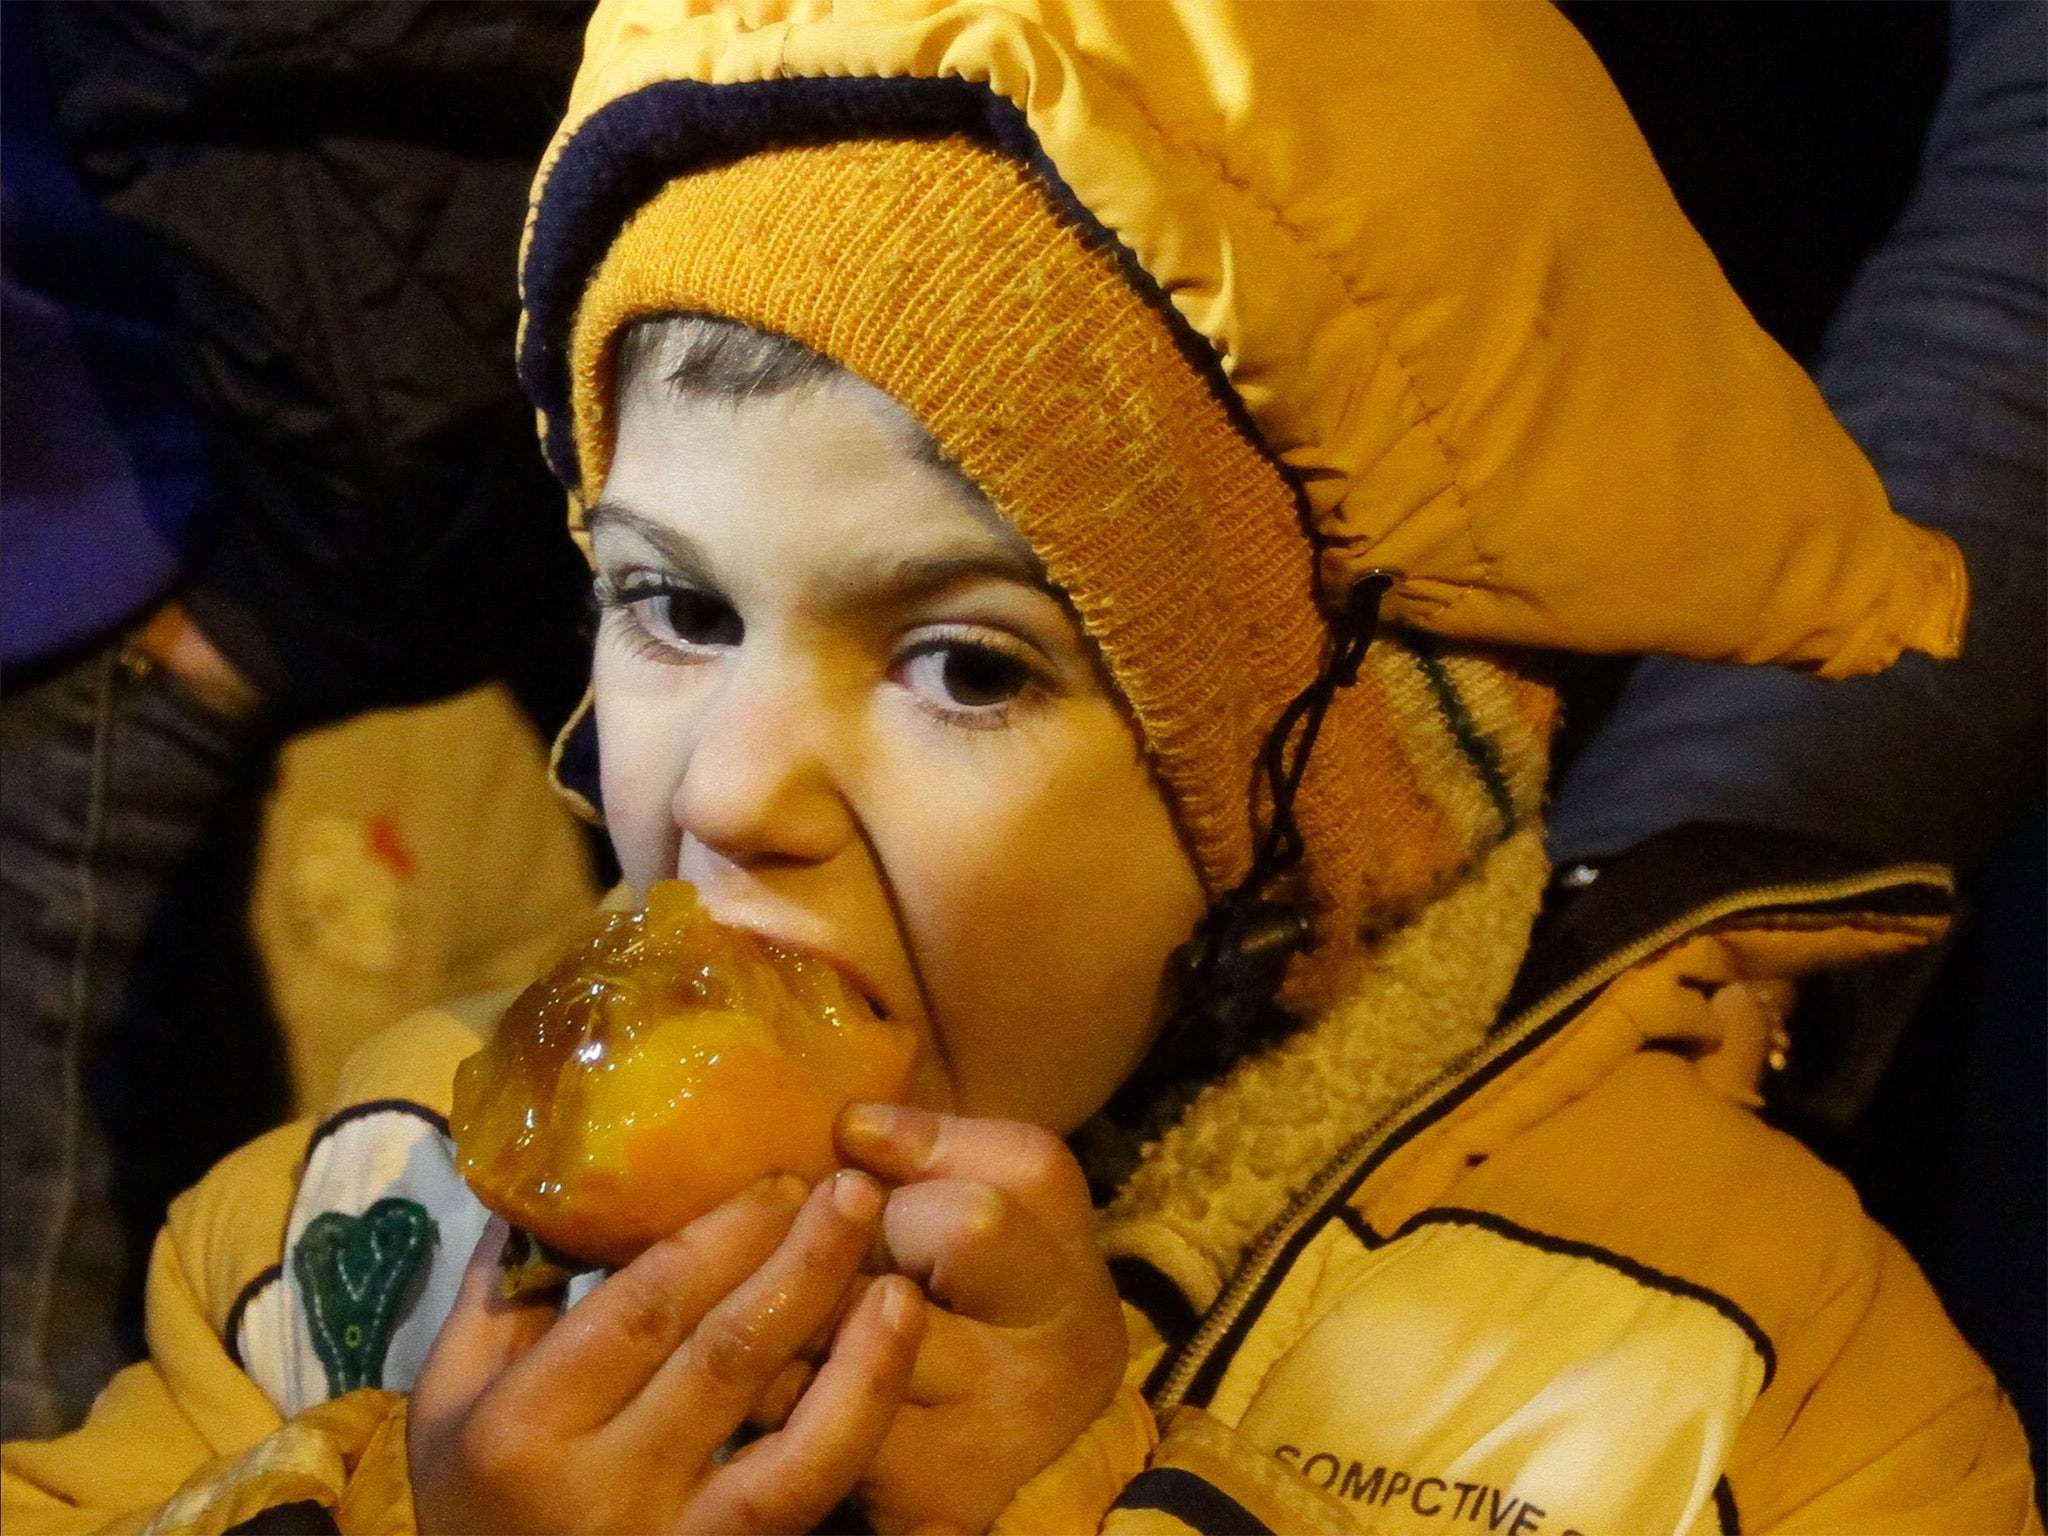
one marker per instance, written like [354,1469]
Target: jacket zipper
[1339,1171]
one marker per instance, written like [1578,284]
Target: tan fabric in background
[409,856]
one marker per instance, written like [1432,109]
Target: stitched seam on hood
[1366,311]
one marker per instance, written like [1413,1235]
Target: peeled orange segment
[662,1067]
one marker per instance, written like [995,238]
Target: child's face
[836,694]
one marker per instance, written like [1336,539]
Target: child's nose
[758,786]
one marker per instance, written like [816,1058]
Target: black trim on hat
[631,148]
[628,150]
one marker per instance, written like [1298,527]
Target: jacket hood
[1422,247]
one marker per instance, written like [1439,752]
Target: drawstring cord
[1353,635]
[1230,971]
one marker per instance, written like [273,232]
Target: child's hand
[1027,1345]
[609,1417]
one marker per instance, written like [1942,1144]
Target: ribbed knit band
[938,271]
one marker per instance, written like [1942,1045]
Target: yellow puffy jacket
[1573,1284]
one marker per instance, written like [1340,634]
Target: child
[996,437]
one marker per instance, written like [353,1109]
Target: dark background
[1790,131]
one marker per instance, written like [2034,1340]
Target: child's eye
[672,614]
[967,678]
[696,617]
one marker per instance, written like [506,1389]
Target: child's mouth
[854,982]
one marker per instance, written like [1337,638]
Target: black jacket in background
[340,189]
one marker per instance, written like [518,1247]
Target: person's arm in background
[1937,361]
[339,191]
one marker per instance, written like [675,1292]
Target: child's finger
[813,1349]
[745,1340]
[961,1362]
[954,1362]
[483,1336]
[976,1250]
[604,1351]
[903,1145]
[771,1410]
[790,1480]
[774,1403]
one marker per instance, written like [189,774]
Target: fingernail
[900,1303]
[857,1196]
[868,1122]
[906,1129]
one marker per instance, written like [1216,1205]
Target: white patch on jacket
[389,1153]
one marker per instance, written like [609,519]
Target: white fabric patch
[1461,1379]
[387,1153]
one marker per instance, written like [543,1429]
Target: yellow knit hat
[937,270]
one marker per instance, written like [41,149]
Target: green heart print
[356,1274]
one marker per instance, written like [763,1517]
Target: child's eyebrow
[909,579]
[897,580]
[677,550]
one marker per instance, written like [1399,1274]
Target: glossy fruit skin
[664,1065]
